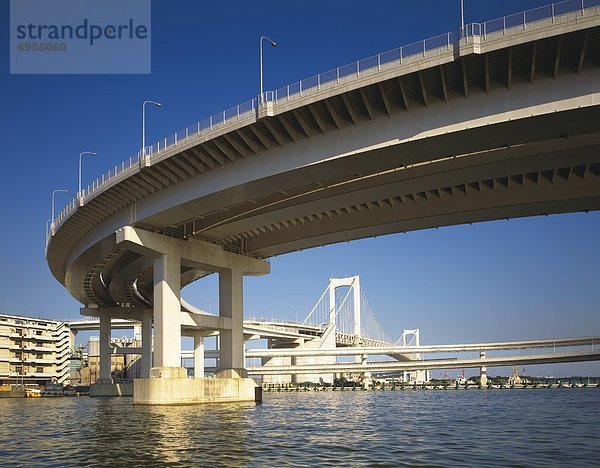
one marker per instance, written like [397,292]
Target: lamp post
[462,18]
[54,192]
[143,153]
[273,44]
[83,153]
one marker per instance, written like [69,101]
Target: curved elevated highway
[502,123]
[496,127]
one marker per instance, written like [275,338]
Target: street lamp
[143,154]
[273,44]
[83,153]
[462,18]
[53,193]
[52,214]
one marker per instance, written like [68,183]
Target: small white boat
[31,392]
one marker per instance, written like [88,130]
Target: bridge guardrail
[329,80]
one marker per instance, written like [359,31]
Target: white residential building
[34,350]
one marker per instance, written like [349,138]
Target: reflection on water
[526,427]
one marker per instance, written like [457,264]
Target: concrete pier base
[109,389]
[483,380]
[174,391]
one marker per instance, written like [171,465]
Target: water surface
[510,427]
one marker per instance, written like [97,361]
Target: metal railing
[425,49]
[277,322]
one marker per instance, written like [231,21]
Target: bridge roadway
[498,124]
[256,328]
[253,329]
[426,364]
[429,349]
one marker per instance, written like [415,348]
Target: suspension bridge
[341,333]
[344,318]
[341,317]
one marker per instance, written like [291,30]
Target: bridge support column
[105,351]
[168,382]
[482,371]
[167,318]
[199,356]
[483,376]
[146,359]
[104,386]
[231,298]
[72,335]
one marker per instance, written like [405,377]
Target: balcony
[47,375]
[40,348]
[40,361]
[32,358]
[31,347]
[35,337]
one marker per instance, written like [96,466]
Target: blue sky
[530,278]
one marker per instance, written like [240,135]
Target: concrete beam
[193,253]
[533,59]
[582,52]
[333,113]
[204,322]
[126,313]
[288,128]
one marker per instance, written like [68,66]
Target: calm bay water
[509,427]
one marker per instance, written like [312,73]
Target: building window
[39,370]
[40,356]
[38,332]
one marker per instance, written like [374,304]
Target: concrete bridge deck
[427,364]
[593,341]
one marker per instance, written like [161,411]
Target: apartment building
[34,350]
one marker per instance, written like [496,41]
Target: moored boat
[32,392]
